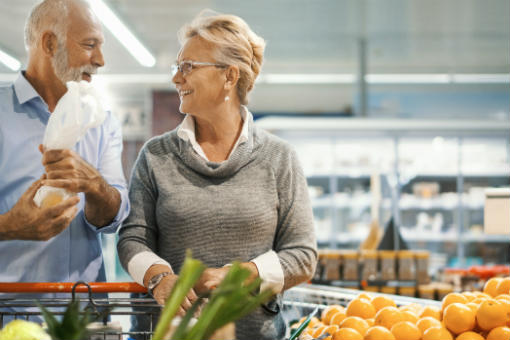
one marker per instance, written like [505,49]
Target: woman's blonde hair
[237,45]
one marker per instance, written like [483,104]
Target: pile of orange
[462,316]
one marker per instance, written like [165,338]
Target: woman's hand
[212,277]
[163,289]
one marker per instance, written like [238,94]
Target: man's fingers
[53,156]
[34,187]
[71,185]
[62,222]
[61,208]
[41,148]
[62,174]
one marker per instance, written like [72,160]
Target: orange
[364,296]
[356,323]
[506,304]
[388,316]
[491,286]
[318,332]
[337,318]
[469,296]
[360,307]
[492,314]
[347,334]
[499,333]
[479,300]
[473,306]
[503,286]
[412,307]
[459,318]
[410,316]
[379,333]
[329,312]
[482,295]
[330,329]
[453,298]
[427,322]
[503,297]
[405,330]
[381,301]
[470,335]
[431,311]
[313,322]
[437,333]
[370,322]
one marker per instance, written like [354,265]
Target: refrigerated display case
[432,175]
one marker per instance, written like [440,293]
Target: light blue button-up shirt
[74,254]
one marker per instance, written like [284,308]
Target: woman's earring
[227,98]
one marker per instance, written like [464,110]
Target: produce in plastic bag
[78,110]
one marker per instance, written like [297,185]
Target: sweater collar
[239,157]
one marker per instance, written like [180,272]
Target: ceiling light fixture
[122,33]
[9,61]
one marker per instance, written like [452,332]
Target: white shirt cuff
[141,262]
[270,271]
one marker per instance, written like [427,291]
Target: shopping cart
[20,301]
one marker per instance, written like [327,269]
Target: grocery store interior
[398,111]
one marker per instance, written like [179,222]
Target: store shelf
[414,236]
[322,296]
[394,126]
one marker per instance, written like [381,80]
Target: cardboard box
[497,211]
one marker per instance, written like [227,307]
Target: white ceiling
[311,36]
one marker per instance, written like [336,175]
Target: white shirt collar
[186,131]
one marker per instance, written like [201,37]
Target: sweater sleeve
[139,231]
[295,241]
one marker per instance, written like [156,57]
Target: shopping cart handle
[67,287]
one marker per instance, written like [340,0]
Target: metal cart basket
[19,301]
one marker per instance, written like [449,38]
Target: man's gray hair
[46,15]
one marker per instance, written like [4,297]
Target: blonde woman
[217,184]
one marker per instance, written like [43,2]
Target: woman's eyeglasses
[186,66]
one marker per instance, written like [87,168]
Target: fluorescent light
[122,33]
[407,78]
[9,61]
[481,78]
[134,78]
[293,78]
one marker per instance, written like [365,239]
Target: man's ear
[49,43]
[232,77]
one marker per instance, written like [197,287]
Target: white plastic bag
[78,110]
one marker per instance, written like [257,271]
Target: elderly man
[59,243]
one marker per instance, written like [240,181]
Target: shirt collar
[186,130]
[24,90]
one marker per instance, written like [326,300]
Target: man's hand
[25,221]
[66,169]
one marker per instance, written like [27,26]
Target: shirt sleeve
[270,271]
[110,167]
[295,242]
[141,262]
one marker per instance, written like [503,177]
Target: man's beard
[62,70]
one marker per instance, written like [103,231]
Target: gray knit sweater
[255,201]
